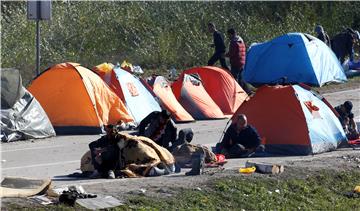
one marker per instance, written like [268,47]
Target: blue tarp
[295,58]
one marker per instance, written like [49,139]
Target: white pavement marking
[40,165]
[32,148]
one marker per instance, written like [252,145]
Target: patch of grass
[323,191]
[353,82]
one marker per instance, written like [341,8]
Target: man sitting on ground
[159,127]
[105,154]
[240,139]
[346,118]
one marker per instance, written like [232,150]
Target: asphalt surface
[59,156]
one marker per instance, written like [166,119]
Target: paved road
[61,155]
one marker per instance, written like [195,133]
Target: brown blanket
[184,152]
[137,155]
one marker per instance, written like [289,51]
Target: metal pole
[37,47]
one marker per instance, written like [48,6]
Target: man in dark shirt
[346,118]
[159,127]
[219,45]
[343,44]
[240,139]
[105,154]
[322,35]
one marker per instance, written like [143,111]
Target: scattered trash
[73,193]
[42,199]
[266,168]
[58,191]
[270,192]
[23,187]
[277,191]
[100,202]
[351,158]
[127,66]
[172,73]
[198,188]
[248,170]
[137,69]
[142,190]
[357,189]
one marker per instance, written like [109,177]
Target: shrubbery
[155,35]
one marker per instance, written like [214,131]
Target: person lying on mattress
[240,139]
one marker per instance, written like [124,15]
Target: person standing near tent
[219,45]
[159,127]
[237,54]
[343,44]
[240,139]
[346,118]
[322,35]
[105,154]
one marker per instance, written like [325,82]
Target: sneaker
[281,169]
[111,174]
[275,169]
[197,164]
[95,175]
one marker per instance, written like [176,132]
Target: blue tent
[138,99]
[294,58]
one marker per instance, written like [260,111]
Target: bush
[154,35]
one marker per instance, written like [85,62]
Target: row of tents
[81,101]
[291,118]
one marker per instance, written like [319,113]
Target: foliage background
[155,35]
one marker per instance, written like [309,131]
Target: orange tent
[219,84]
[293,120]
[194,98]
[162,90]
[77,100]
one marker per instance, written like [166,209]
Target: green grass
[325,191]
[353,82]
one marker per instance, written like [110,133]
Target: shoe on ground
[198,164]
[95,175]
[111,174]
[281,169]
[275,169]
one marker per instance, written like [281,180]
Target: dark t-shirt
[219,42]
[343,115]
[248,137]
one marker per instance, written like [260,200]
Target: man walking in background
[343,44]
[322,35]
[219,45]
[237,54]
